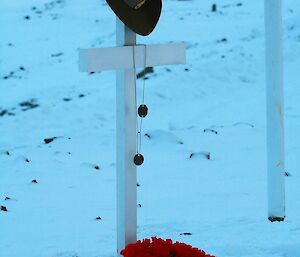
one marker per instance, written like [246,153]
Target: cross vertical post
[124,58]
[275,110]
[126,146]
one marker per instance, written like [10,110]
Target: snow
[222,201]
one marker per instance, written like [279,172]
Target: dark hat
[141,16]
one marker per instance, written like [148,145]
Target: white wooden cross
[125,58]
[275,110]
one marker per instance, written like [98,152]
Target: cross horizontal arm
[112,58]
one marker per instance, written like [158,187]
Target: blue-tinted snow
[221,200]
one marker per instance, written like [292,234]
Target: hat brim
[143,20]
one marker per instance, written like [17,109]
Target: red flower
[157,247]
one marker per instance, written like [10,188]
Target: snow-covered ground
[220,201]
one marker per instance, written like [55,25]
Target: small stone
[27,105]
[97,167]
[3,208]
[57,54]
[34,181]
[49,140]
[214,8]
[186,234]
[98,218]
[7,198]
[139,205]
[3,112]
[27,17]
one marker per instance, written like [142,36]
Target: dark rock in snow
[57,55]
[211,131]
[27,105]
[3,208]
[223,40]
[6,112]
[214,8]
[147,135]
[186,234]
[34,181]
[49,140]
[3,112]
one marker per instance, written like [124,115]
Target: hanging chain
[135,94]
[142,110]
[143,98]
[144,75]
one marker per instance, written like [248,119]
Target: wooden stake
[275,110]
[126,146]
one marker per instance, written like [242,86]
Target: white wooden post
[124,58]
[275,110]
[126,146]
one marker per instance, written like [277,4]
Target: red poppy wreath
[157,247]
